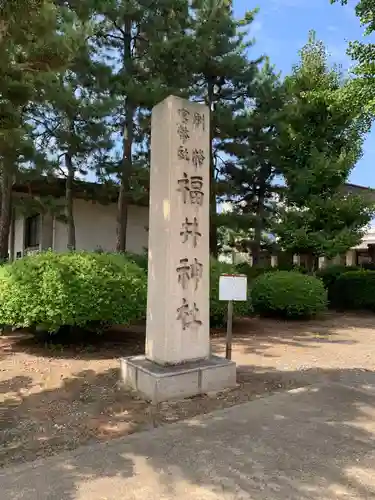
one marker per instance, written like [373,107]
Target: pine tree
[250,174]
[320,141]
[221,77]
[72,127]
[138,43]
[36,41]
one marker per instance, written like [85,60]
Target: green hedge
[140,259]
[354,290]
[56,291]
[218,309]
[288,294]
[329,276]
[51,290]
[253,272]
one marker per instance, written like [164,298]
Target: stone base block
[158,383]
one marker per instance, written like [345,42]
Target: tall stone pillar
[177,361]
[179,234]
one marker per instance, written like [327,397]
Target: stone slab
[158,383]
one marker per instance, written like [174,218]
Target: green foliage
[330,274]
[37,38]
[218,308]
[253,272]
[320,141]
[141,259]
[248,178]
[288,295]
[140,45]
[354,291]
[53,290]
[362,89]
[221,76]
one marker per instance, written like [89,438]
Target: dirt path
[60,398]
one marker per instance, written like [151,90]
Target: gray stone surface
[162,383]
[316,443]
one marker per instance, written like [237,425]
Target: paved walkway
[316,443]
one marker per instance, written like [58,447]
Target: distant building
[94,217]
[361,254]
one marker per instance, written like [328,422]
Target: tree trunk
[256,247]
[310,262]
[212,166]
[128,134]
[12,236]
[5,214]
[69,203]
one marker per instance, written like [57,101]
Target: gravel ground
[55,398]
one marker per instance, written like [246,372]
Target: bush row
[51,290]
[93,290]
[252,272]
[87,290]
[288,294]
[350,288]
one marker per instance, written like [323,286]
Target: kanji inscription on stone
[190,230]
[197,157]
[198,121]
[191,189]
[187,272]
[188,315]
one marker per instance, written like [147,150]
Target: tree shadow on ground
[108,345]
[257,336]
[317,442]
[254,335]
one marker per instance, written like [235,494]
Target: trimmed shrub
[354,290]
[52,290]
[330,274]
[253,272]
[140,259]
[288,294]
[218,308]
[369,266]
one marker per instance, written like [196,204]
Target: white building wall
[95,228]
[19,235]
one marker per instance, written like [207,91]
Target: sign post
[232,287]
[228,346]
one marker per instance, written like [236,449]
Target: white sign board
[233,287]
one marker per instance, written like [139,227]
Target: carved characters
[189,271]
[188,316]
[191,189]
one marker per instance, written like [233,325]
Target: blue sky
[281,29]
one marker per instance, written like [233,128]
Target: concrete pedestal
[158,383]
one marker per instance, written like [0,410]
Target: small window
[32,231]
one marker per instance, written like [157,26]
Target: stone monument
[178,362]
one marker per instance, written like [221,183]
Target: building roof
[357,189]
[108,192]
[100,192]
